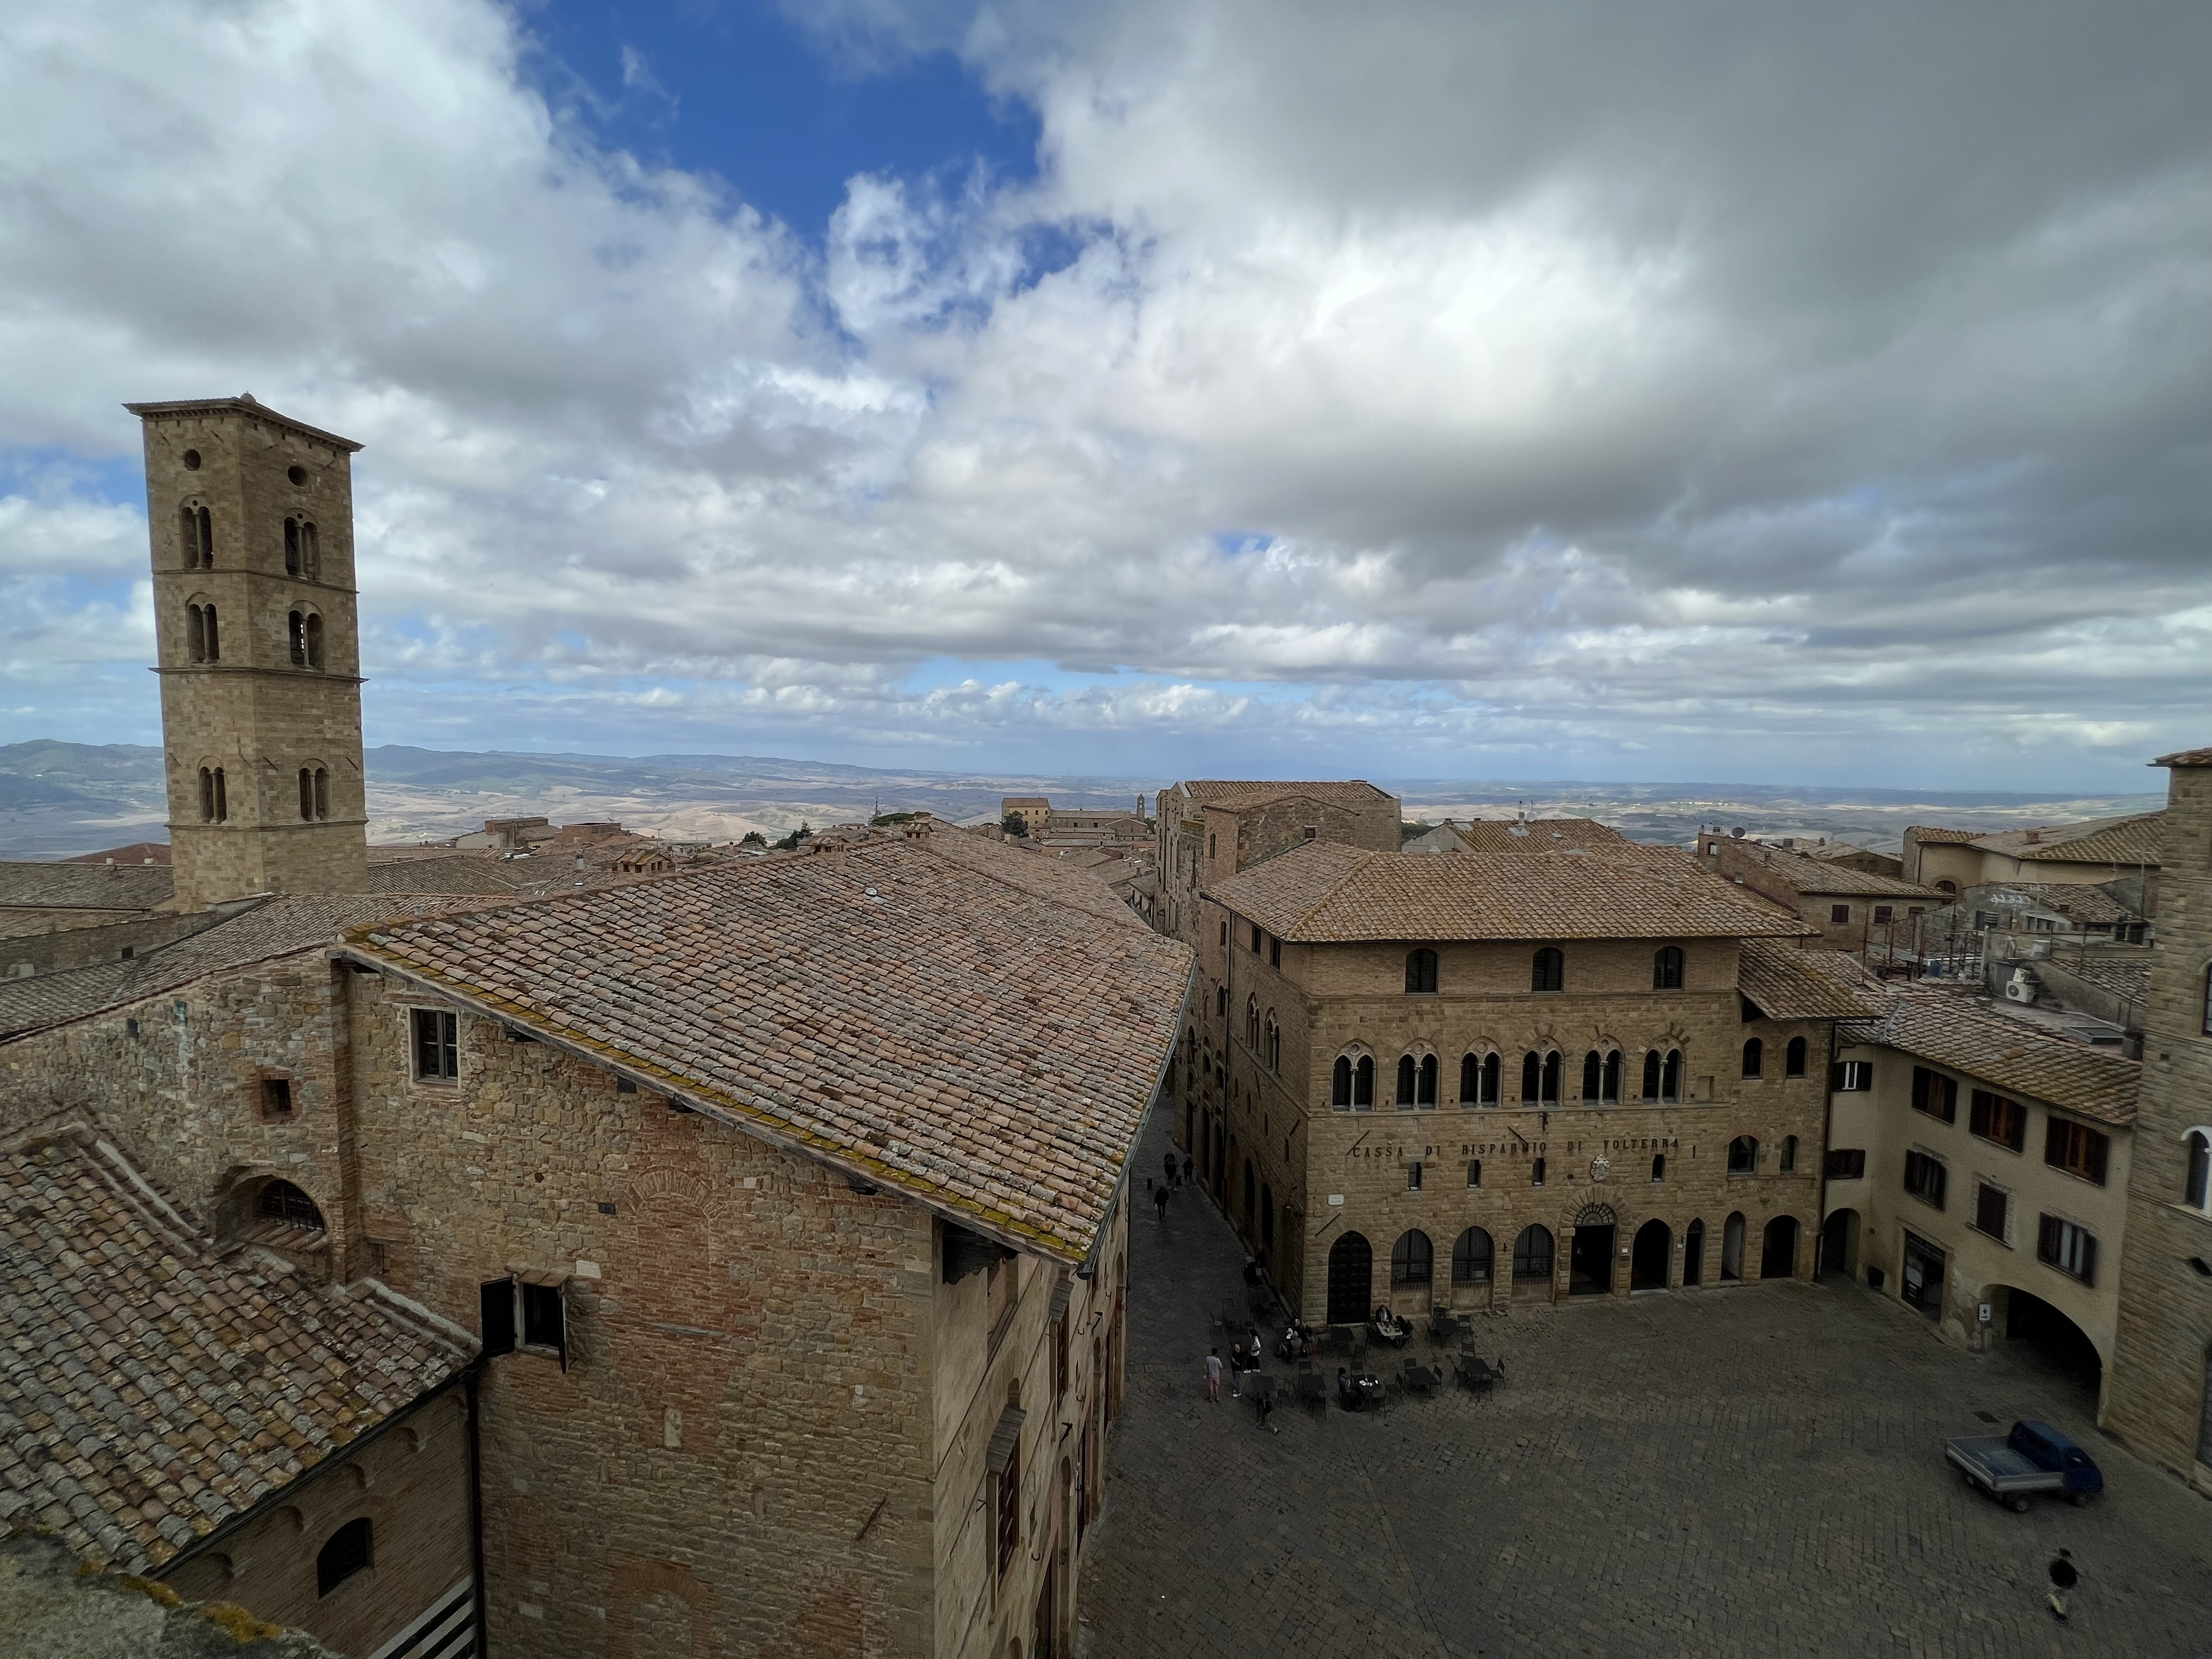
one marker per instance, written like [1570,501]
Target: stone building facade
[1210,828]
[1453,1080]
[2161,1396]
[1876,917]
[2093,851]
[256,636]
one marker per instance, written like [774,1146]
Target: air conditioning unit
[2023,986]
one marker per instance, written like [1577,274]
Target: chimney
[2034,837]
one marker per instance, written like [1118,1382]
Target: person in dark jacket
[2063,1580]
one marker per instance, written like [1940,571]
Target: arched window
[1470,1080]
[1793,1058]
[1426,1089]
[1947,886]
[1406,1075]
[291,547]
[219,799]
[1532,1076]
[1593,1075]
[1651,1074]
[1420,971]
[306,793]
[1339,1084]
[1532,1256]
[1612,1094]
[1788,1154]
[211,633]
[207,795]
[1252,1023]
[280,1200]
[1694,1254]
[2198,1184]
[1743,1156]
[351,1549]
[1659,1166]
[322,793]
[1274,1043]
[1670,1076]
[1551,1076]
[1362,1085]
[311,552]
[1754,1057]
[1472,1255]
[1474,1172]
[1549,972]
[1413,1259]
[195,632]
[198,537]
[1667,968]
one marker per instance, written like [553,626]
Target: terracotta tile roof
[1960,1032]
[2081,900]
[2185,757]
[1320,892]
[2125,974]
[137,852]
[148,1392]
[976,1028]
[86,886]
[1811,875]
[1535,836]
[1929,836]
[1791,983]
[2137,838]
[460,873]
[1220,791]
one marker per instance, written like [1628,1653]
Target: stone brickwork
[259,701]
[1330,1173]
[1868,913]
[80,939]
[2160,1397]
[1208,832]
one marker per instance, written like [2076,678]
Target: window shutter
[2094,1163]
[2088,1259]
[1835,1075]
[2054,1141]
[495,1302]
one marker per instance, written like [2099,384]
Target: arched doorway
[1589,1257]
[2045,1331]
[1694,1254]
[1732,1247]
[1778,1256]
[1532,1263]
[1839,1244]
[1350,1280]
[1647,1260]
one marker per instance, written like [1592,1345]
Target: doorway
[1350,1280]
[1778,1256]
[1839,1244]
[1647,1261]
[1694,1254]
[1732,1247]
[2053,1338]
[1923,1284]
[1589,1263]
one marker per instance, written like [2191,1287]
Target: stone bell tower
[252,516]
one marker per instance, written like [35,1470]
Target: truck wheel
[2080,1499]
[2020,1505]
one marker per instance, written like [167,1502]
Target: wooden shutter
[1989,1207]
[2088,1274]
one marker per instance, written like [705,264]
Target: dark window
[1856,1076]
[1947,886]
[1531,1254]
[1670,1076]
[280,1200]
[1536,1174]
[2070,1248]
[191,460]
[437,1045]
[275,1098]
[1474,1172]
[1274,953]
[1255,938]
[1935,1094]
[1494,1068]
[291,547]
[1659,1167]
[213,632]
[2077,1149]
[1743,1156]
[1221,1002]
[350,1550]
[544,1325]
[1612,1088]
[1789,1162]
[198,539]
[311,554]
[315,641]
[1592,1074]
[1339,1084]
[1651,1064]
[1411,1259]
[1420,971]
[306,793]
[2199,1177]
[1010,1508]
[1549,972]
[1059,1369]
[1993,1117]
[297,627]
[1847,1165]
[1754,1057]
[1694,1254]
[195,632]
[1883,913]
[322,793]
[1925,1177]
[1991,1207]
[1793,1058]
[1363,1083]
[1470,1080]
[1472,1256]
[1839,913]
[1667,968]
[1413,1176]
[2207,1002]
[495,1306]
[1406,1073]
[1551,1076]
[1532,1076]
[1425,1092]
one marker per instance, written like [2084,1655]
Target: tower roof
[244,404]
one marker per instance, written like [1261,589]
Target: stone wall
[79,938]
[2160,1395]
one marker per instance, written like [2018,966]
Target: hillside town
[565,1241]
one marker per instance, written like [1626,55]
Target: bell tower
[258,648]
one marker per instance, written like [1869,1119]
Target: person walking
[1213,1376]
[1168,1162]
[2063,1578]
[1186,1167]
[1160,1198]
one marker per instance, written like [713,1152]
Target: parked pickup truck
[2034,1457]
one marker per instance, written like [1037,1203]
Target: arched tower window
[1793,1058]
[315,641]
[311,552]
[196,535]
[297,629]
[196,633]
[210,634]
[291,547]
[314,794]
[351,1549]
[1362,1085]
[1339,1084]
[1670,1076]
[1754,1057]
[215,808]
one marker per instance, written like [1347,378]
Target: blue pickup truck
[2034,1457]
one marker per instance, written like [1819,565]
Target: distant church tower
[251,515]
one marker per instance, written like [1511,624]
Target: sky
[1607,392]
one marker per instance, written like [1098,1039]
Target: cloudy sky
[1617,392]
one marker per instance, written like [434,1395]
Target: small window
[2063,1245]
[351,1549]
[1224,935]
[1883,913]
[291,547]
[1925,1178]
[1853,1076]
[1474,1172]
[1536,1174]
[191,460]
[1839,913]
[495,1306]
[1754,1057]
[437,1045]
[1421,972]
[1659,1166]
[2077,1149]
[1549,970]
[1274,952]
[1935,1094]
[1413,1176]
[1947,886]
[1994,1117]
[276,1098]
[544,1324]
[1743,1156]
[2199,1178]
[1847,1164]
[1992,1209]
[1667,968]
[1793,1058]
[1789,1163]
[322,793]
[1255,938]
[306,793]
[280,1202]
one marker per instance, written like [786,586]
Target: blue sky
[1213,386]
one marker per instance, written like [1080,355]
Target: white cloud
[1426,383]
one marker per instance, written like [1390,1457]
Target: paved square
[1751,1471]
